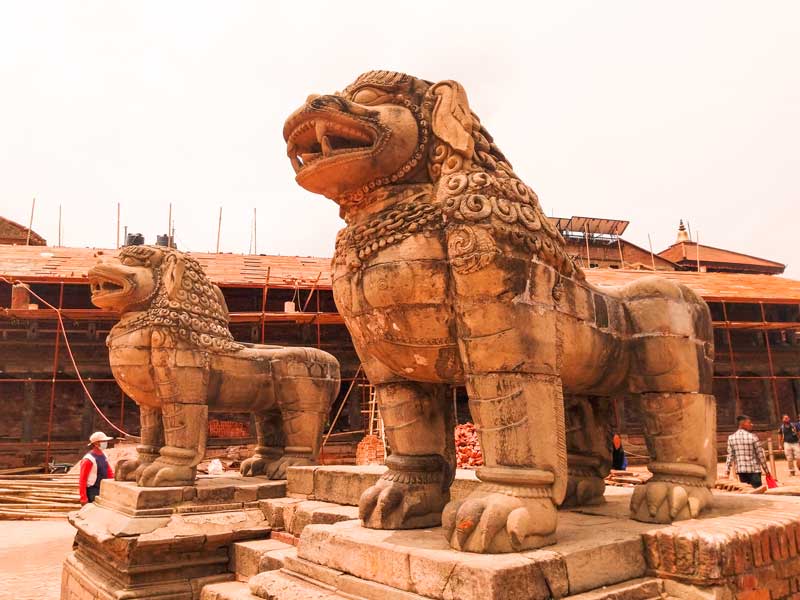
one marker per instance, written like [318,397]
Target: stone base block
[343,484]
[162,543]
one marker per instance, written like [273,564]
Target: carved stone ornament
[172,352]
[449,273]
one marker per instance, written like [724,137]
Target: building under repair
[288,301]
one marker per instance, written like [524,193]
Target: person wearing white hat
[94,467]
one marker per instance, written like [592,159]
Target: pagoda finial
[683,235]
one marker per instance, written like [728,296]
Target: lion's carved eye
[129,261]
[367,96]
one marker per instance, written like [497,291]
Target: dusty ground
[31,553]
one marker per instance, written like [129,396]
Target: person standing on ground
[745,450]
[619,461]
[791,443]
[94,467]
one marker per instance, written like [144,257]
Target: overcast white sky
[643,111]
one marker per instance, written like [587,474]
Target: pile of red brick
[468,448]
[370,451]
[227,429]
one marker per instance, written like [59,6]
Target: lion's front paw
[491,522]
[584,491]
[129,469]
[276,468]
[160,474]
[666,501]
[255,465]
[393,504]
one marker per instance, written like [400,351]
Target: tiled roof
[70,265]
[733,287]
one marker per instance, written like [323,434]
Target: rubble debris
[627,478]
[370,451]
[468,448]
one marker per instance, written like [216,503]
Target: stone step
[293,514]
[249,558]
[279,585]
[636,589]
[231,590]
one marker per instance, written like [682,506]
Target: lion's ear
[452,119]
[174,266]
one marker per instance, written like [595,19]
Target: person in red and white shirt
[94,467]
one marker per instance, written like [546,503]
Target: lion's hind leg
[672,371]
[680,434]
[306,384]
[270,442]
[588,427]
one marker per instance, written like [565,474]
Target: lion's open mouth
[105,287]
[315,138]
[103,283]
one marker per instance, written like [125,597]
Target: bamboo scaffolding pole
[30,224]
[341,406]
[219,227]
[311,293]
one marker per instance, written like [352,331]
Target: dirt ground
[31,553]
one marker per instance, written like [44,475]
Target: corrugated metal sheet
[70,265]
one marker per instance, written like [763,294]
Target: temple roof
[685,253]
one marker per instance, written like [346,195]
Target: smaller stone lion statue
[172,352]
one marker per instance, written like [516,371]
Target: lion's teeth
[320,128]
[325,143]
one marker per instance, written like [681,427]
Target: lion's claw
[129,469]
[276,469]
[394,505]
[255,465]
[159,474]
[665,501]
[584,491]
[496,522]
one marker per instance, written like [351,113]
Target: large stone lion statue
[173,354]
[448,272]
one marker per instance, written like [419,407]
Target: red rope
[71,357]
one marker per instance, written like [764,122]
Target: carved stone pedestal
[746,548]
[162,543]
